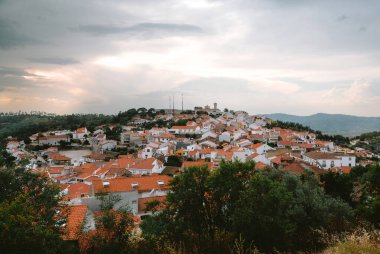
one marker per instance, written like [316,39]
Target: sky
[95,56]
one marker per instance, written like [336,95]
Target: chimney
[215,105]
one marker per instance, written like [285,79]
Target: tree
[113,229]
[338,185]
[279,211]
[227,184]
[190,207]
[28,213]
[175,161]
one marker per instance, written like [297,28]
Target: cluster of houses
[142,177]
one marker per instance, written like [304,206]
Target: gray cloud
[53,60]
[10,39]
[11,77]
[141,29]
[342,18]
[317,45]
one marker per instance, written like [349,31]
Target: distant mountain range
[333,124]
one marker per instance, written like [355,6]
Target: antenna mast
[182,102]
[173,104]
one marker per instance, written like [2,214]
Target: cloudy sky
[291,56]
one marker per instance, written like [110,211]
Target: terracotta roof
[255,146]
[299,168]
[54,137]
[166,135]
[276,160]
[142,203]
[56,169]
[194,152]
[124,184]
[87,169]
[260,165]
[316,155]
[58,157]
[184,127]
[345,170]
[76,190]
[75,221]
[81,130]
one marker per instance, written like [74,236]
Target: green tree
[279,211]
[190,206]
[229,180]
[28,219]
[175,161]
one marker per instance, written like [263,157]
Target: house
[11,145]
[185,130]
[166,137]
[145,166]
[146,153]
[58,159]
[78,190]
[261,148]
[56,171]
[53,140]
[101,137]
[81,133]
[194,155]
[107,145]
[129,189]
[225,137]
[211,136]
[260,158]
[242,154]
[326,160]
[208,143]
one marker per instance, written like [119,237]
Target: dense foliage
[29,222]
[369,141]
[23,125]
[273,210]
[360,188]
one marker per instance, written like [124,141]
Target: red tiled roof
[142,203]
[58,157]
[56,169]
[76,190]
[124,184]
[75,220]
[184,127]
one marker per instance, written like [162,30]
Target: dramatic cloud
[53,60]
[141,30]
[9,38]
[295,56]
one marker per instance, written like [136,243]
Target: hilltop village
[138,163]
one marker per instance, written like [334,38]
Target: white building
[330,160]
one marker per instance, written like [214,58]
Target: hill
[333,124]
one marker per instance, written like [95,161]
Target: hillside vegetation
[333,124]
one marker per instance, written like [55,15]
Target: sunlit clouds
[298,57]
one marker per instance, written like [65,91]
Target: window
[323,163]
[332,163]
